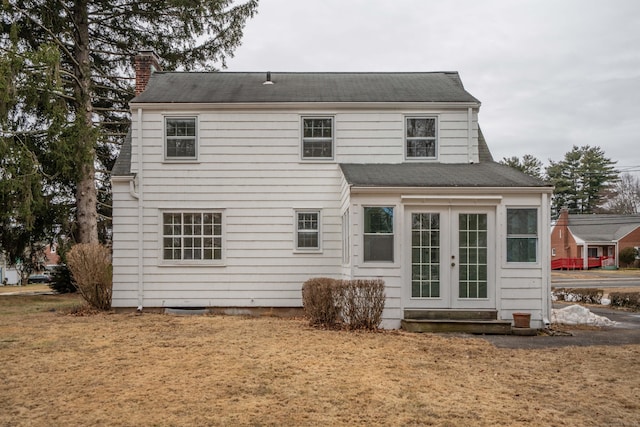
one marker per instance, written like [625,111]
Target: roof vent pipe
[268,81]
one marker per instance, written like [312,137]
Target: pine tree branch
[55,38]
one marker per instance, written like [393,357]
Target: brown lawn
[152,369]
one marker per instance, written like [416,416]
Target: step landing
[461,321]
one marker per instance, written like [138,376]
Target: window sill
[179,161]
[215,263]
[515,265]
[421,159]
[318,160]
[308,251]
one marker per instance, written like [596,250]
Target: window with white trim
[317,138]
[421,137]
[181,138]
[378,234]
[193,236]
[522,235]
[307,230]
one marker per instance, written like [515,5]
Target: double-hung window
[317,138]
[181,138]
[378,234]
[307,230]
[192,236]
[421,137]
[522,235]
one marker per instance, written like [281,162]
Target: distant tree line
[585,181]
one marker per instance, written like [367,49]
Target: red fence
[578,263]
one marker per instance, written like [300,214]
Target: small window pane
[522,249]
[378,220]
[421,148]
[522,221]
[417,127]
[378,247]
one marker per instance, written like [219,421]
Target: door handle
[453,264]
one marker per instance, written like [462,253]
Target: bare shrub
[319,298]
[625,299]
[362,303]
[90,265]
[585,295]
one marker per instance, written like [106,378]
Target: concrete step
[496,327]
[450,314]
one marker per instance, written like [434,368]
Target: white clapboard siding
[249,166]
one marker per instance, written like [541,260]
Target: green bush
[90,265]
[61,280]
[627,256]
[625,300]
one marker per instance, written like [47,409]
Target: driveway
[626,331]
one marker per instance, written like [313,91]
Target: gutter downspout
[132,189]
[140,198]
[469,134]
[545,259]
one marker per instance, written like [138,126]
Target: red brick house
[594,240]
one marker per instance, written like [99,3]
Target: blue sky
[550,73]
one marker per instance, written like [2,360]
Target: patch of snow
[605,301]
[579,315]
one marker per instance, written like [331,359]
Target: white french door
[450,258]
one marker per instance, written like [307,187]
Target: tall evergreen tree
[581,179]
[529,164]
[65,81]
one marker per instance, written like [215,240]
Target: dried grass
[152,369]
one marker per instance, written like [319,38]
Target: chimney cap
[149,52]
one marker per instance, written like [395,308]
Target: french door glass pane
[472,268]
[425,255]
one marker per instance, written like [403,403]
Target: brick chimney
[146,62]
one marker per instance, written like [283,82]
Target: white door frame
[449,259]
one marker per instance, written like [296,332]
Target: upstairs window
[317,138]
[421,138]
[180,138]
[308,230]
[522,235]
[378,234]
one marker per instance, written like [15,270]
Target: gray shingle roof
[488,174]
[122,166]
[602,227]
[232,87]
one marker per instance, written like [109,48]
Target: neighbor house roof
[234,87]
[489,174]
[602,227]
